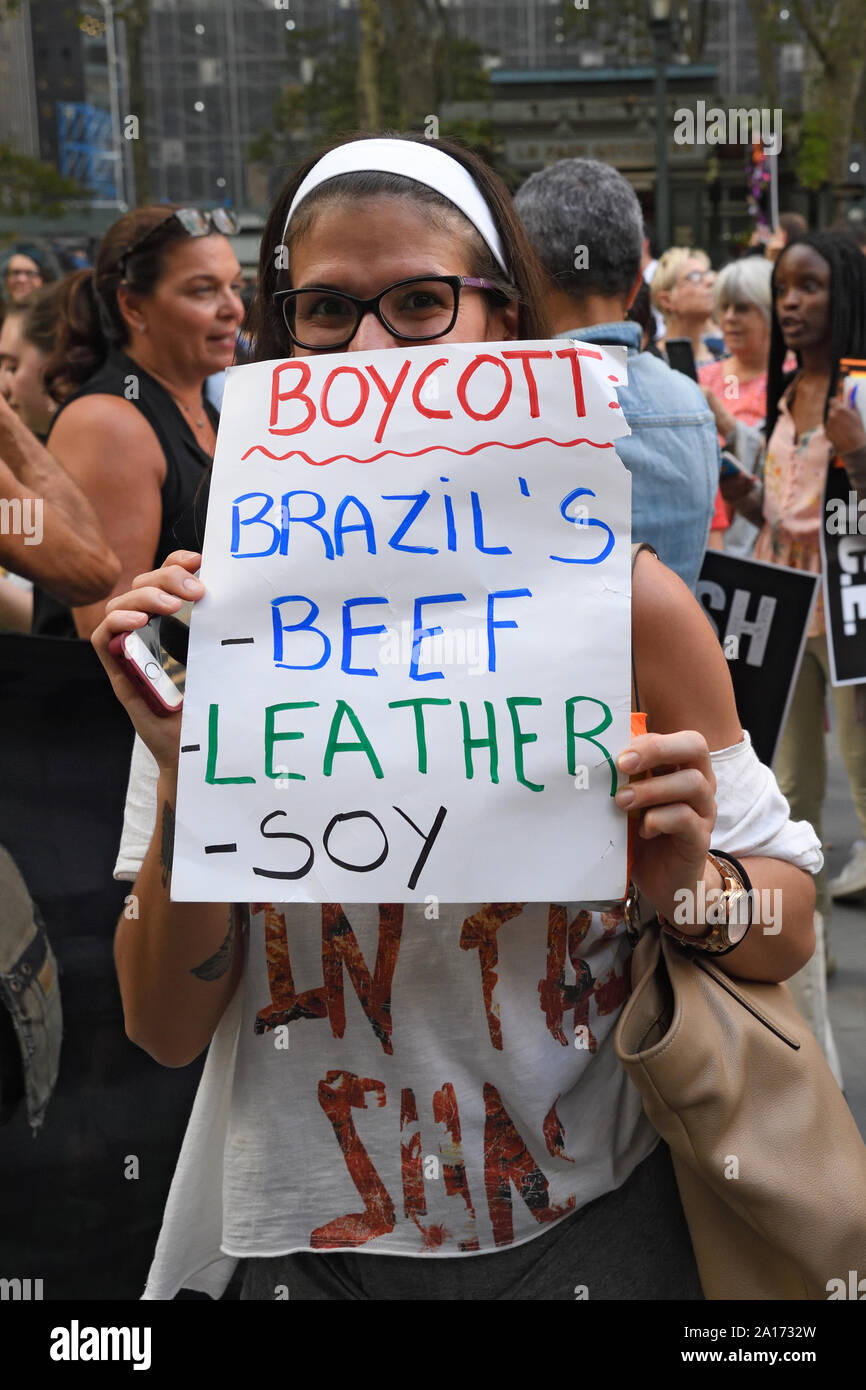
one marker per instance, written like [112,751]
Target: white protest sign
[410,674]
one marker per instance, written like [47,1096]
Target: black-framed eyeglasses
[194,222]
[417,310]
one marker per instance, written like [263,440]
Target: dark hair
[857,231]
[641,312]
[40,318]
[41,257]
[265,322]
[653,243]
[91,321]
[794,225]
[846,315]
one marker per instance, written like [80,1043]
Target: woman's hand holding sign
[154,594]
[675,799]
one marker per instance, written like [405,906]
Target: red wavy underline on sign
[444,448]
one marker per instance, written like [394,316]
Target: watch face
[738,916]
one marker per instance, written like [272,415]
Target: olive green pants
[801,762]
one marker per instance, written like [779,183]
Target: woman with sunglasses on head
[143,330]
[550,1175]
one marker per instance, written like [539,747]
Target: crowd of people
[108,378]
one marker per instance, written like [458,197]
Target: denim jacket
[672,452]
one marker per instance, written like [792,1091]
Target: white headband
[423,163]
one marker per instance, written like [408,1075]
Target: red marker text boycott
[291,379]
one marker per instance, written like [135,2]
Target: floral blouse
[795,472]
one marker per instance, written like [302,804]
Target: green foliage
[30,186]
[458,71]
[327,107]
[813,156]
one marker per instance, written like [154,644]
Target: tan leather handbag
[770,1165]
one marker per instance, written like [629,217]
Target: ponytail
[83,335]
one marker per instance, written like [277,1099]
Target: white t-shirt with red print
[391,1080]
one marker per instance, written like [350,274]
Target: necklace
[198,423]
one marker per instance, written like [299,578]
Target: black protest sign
[761,614]
[843,560]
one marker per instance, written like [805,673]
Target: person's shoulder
[93,424]
[102,413]
[672,392]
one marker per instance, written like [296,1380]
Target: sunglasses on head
[193,221]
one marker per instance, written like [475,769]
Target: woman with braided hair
[819,313]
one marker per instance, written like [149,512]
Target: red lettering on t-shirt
[554,1134]
[411,1168]
[479,933]
[285,1005]
[339,1094]
[556,996]
[445,1113]
[340,949]
[507,1160]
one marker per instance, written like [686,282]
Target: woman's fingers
[679,801]
[175,579]
[650,751]
[688,785]
[148,599]
[682,823]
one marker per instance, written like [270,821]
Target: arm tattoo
[166,849]
[216,965]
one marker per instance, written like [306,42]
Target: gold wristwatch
[728,915]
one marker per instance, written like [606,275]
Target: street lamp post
[114,100]
[660,28]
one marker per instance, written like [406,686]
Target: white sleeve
[753,816]
[139,816]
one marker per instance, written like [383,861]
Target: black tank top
[184,499]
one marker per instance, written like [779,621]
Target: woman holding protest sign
[381,244]
[819,313]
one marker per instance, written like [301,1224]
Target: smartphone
[141,653]
[730,468]
[681,356]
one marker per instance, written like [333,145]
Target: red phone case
[152,696]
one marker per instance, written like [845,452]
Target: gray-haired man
[585,222]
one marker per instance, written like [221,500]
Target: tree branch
[806,20]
